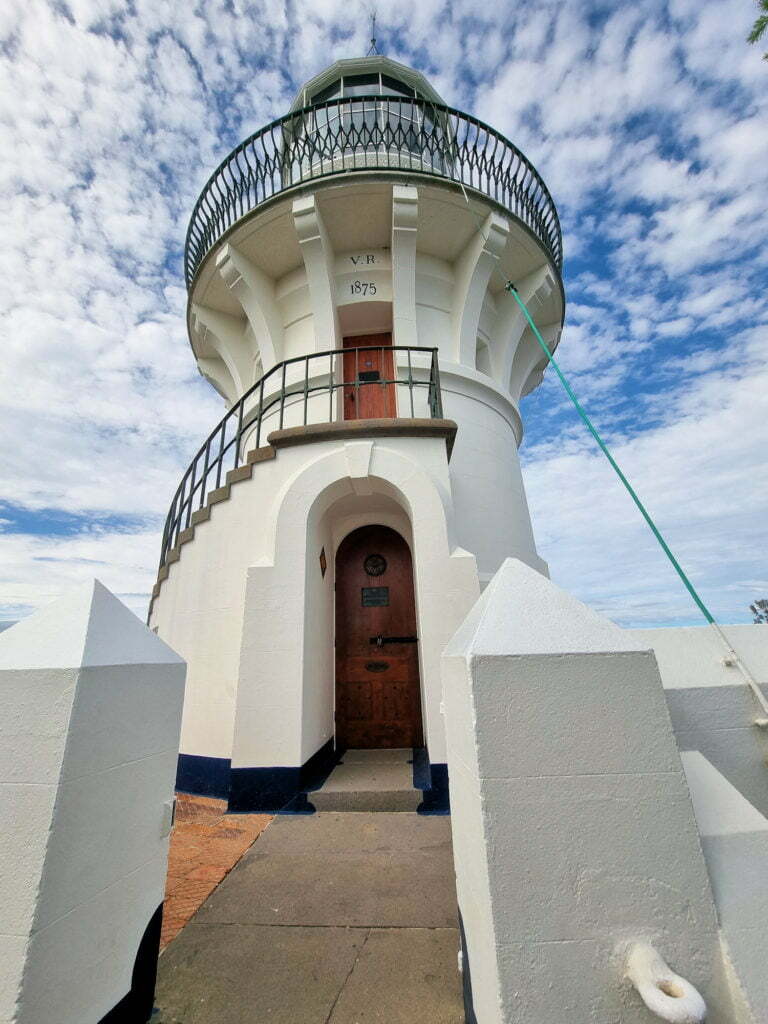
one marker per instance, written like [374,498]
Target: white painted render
[712,708]
[734,836]
[433,266]
[694,656]
[574,833]
[245,604]
[254,619]
[90,709]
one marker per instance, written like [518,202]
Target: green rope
[591,428]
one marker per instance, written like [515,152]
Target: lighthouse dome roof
[365,76]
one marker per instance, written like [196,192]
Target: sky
[648,123]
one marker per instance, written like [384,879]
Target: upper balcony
[351,135]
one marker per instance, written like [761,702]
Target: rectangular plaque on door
[375,597]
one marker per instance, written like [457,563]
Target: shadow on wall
[136,1006]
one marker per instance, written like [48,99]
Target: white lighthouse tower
[345,268]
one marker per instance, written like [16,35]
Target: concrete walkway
[331,918]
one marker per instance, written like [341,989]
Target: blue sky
[648,123]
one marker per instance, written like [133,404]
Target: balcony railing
[311,389]
[370,133]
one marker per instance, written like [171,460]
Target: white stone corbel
[512,325]
[530,361]
[225,334]
[472,273]
[405,212]
[218,376]
[319,265]
[255,291]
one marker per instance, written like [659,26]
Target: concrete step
[369,780]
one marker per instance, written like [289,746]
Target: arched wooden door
[378,698]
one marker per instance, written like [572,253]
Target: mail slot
[365,376]
[376,666]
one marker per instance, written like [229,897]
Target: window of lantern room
[399,122]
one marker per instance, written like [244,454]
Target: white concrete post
[90,711]
[573,829]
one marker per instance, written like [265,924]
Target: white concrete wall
[253,619]
[734,836]
[492,519]
[725,756]
[712,708]
[91,707]
[317,719]
[573,827]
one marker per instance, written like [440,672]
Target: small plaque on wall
[375,597]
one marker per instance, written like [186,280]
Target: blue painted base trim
[319,766]
[203,776]
[256,790]
[281,790]
[262,790]
[432,780]
[466,977]
[136,1006]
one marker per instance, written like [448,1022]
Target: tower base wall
[251,608]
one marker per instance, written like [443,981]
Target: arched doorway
[378,696]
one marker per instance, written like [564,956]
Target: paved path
[331,918]
[206,843]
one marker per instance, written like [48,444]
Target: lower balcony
[351,392]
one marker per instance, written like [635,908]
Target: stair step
[369,780]
[366,800]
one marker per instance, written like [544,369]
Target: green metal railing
[370,133]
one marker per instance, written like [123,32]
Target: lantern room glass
[402,123]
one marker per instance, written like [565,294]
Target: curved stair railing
[293,393]
[370,133]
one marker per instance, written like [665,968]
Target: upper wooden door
[365,394]
[378,698]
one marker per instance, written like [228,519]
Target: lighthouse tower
[345,268]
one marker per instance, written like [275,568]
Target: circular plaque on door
[375,565]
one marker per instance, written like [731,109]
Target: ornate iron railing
[370,133]
[292,395]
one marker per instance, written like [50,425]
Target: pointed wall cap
[87,627]
[521,612]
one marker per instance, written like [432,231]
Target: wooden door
[365,394]
[378,698]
